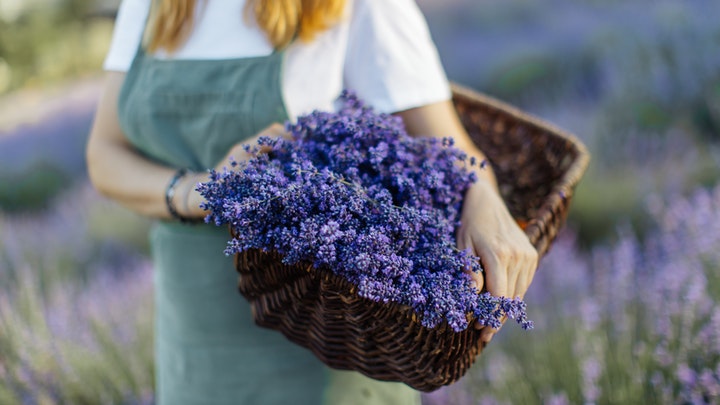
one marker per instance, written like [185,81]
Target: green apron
[188,113]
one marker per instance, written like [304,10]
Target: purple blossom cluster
[355,194]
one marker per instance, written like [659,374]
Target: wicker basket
[537,167]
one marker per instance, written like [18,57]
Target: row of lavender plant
[75,310]
[626,323]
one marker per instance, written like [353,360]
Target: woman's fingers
[273,130]
[478,279]
[509,271]
[496,273]
[520,269]
[496,283]
[527,261]
[239,151]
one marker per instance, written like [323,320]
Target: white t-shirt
[382,50]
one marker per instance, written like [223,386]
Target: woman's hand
[238,153]
[193,199]
[489,231]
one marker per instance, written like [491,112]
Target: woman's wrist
[182,200]
[485,174]
[171,194]
[193,198]
[479,163]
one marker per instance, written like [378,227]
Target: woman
[186,86]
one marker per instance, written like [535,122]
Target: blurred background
[625,306]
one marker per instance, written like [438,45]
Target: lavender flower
[355,194]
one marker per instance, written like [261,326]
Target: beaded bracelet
[170,194]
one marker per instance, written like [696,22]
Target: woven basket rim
[582,160]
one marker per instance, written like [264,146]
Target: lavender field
[626,305]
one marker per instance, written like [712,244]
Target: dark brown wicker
[537,167]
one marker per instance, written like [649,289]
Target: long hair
[171,21]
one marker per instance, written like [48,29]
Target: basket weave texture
[537,167]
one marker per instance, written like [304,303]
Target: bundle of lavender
[354,193]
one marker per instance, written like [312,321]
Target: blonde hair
[171,21]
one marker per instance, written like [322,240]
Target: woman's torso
[186,110]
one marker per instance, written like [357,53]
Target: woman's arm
[487,228]
[116,169]
[120,172]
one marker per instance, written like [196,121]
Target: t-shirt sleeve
[391,61]
[129,27]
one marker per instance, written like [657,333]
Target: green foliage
[706,113]
[32,189]
[514,369]
[599,203]
[51,43]
[519,76]
[544,76]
